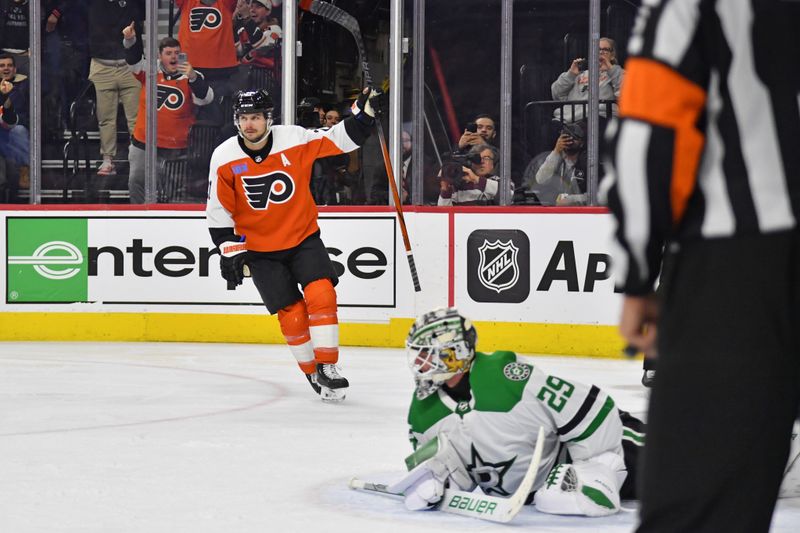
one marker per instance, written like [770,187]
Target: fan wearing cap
[258,32]
[263,219]
[564,168]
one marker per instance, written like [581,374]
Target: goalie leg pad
[587,488]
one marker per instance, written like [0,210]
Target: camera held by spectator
[453,168]
[307,113]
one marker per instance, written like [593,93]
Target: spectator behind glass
[109,73]
[332,118]
[333,177]
[558,177]
[379,193]
[574,83]
[206,34]
[14,36]
[14,141]
[180,90]
[258,33]
[484,131]
[477,184]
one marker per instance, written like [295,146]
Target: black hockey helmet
[257,101]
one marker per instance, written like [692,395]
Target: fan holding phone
[481,131]
[181,91]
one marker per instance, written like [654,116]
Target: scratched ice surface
[167,437]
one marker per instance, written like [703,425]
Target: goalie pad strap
[587,488]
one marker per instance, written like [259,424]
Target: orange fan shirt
[206,33]
[176,105]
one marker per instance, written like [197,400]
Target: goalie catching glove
[588,488]
[362,108]
[432,467]
[231,263]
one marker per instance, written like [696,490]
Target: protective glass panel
[550,125]
[461,103]
[329,79]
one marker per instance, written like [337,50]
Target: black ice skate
[328,376]
[312,380]
[329,394]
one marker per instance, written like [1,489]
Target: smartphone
[472,127]
[182,57]
[583,64]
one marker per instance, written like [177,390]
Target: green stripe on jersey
[597,422]
[492,390]
[633,436]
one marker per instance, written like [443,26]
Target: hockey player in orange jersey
[263,219]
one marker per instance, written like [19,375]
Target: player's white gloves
[432,466]
[589,487]
[231,263]
[362,108]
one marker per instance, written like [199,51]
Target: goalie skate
[327,394]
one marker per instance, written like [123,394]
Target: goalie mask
[440,345]
[258,101]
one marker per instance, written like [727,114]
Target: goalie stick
[473,504]
[348,22]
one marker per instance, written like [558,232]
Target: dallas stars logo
[489,476]
[517,371]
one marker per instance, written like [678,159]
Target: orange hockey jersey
[269,202]
[176,105]
[206,33]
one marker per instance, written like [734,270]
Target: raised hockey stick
[473,504]
[348,22]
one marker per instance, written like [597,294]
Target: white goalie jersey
[495,431]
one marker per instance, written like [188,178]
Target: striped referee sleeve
[707,140]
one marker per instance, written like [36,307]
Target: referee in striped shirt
[704,171]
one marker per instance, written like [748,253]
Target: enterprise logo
[49,255]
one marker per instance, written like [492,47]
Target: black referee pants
[727,388]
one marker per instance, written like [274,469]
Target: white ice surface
[102,437]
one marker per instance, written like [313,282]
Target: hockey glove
[362,108]
[433,467]
[231,264]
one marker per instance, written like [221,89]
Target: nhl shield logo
[498,269]
[498,265]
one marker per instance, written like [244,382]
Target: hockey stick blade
[375,488]
[344,19]
[460,502]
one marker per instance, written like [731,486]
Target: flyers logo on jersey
[169,96]
[275,187]
[200,17]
